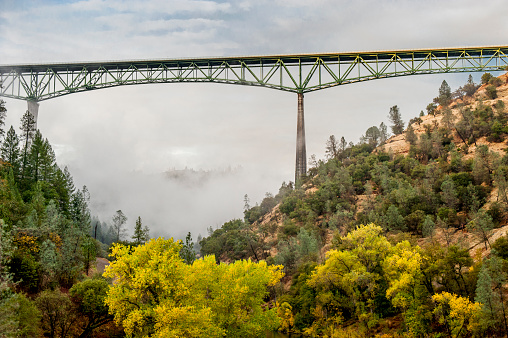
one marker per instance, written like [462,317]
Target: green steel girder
[293,73]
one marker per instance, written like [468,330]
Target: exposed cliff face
[399,145]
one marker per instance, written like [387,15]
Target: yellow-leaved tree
[156,294]
[458,314]
[355,272]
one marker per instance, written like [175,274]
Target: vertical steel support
[301,156]
[33,109]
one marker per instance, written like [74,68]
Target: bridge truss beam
[292,73]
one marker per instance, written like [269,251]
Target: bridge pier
[301,156]
[33,109]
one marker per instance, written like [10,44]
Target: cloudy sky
[117,141]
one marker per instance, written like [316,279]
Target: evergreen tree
[70,265]
[372,136]
[411,137]
[498,275]
[246,202]
[10,150]
[431,109]
[62,184]
[448,118]
[449,193]
[80,213]
[48,165]
[486,77]
[307,245]
[501,183]
[491,304]
[445,94]
[383,132]
[141,235]
[482,225]
[89,249]
[35,154]
[27,134]
[342,147]
[119,220]
[470,87]
[428,226]
[332,148]
[393,219]
[481,165]
[396,119]
[187,252]
[3,115]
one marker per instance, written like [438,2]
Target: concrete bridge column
[33,109]
[301,156]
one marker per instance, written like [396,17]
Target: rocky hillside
[399,145]
[380,239]
[271,226]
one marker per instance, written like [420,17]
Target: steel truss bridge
[292,73]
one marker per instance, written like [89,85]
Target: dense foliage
[448,184]
[158,295]
[370,242]
[46,243]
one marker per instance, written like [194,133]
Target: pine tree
[89,249]
[10,150]
[35,154]
[445,94]
[449,193]
[342,147]
[393,219]
[27,134]
[498,274]
[118,225]
[486,77]
[62,183]
[482,225]
[448,118]
[187,252]
[431,109]
[383,131]
[470,87]
[428,226]
[3,114]
[396,119]
[332,148]
[307,245]
[490,301]
[411,137]
[372,136]
[79,211]
[48,165]
[141,235]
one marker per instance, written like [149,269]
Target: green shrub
[288,205]
[486,78]
[501,247]
[495,81]
[25,270]
[496,212]
[289,229]
[491,92]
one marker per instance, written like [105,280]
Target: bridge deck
[382,55]
[295,73]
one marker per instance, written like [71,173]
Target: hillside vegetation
[392,236]
[400,236]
